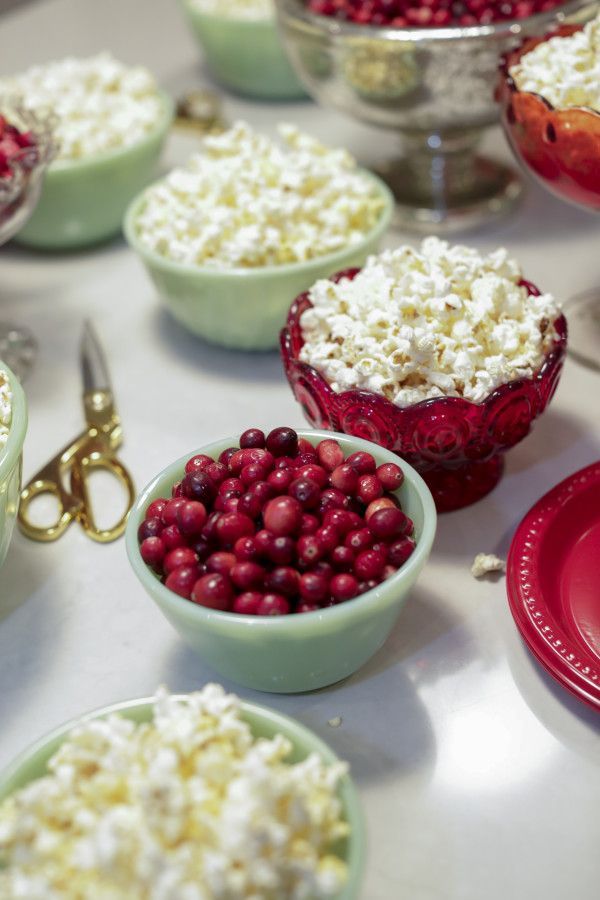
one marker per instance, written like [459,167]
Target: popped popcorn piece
[485,563]
[335,722]
[100,104]
[564,70]
[245,200]
[416,324]
[5,408]
[190,806]
[236,9]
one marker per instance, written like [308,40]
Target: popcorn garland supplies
[246,201]
[442,321]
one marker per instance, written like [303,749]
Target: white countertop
[479,775]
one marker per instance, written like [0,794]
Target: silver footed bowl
[434,87]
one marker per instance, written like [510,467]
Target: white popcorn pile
[564,70]
[245,200]
[5,409]
[486,563]
[190,806]
[236,9]
[100,104]
[441,321]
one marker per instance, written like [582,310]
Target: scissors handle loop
[100,460]
[67,504]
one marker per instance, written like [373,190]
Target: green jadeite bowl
[245,55]
[264,722]
[83,201]
[299,652]
[244,309]
[11,458]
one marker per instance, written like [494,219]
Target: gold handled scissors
[92,450]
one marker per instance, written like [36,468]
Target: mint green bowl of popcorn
[245,308]
[31,764]
[242,47]
[83,200]
[11,454]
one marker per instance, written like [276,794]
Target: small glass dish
[456,445]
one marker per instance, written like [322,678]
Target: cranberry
[330,454]
[331,498]
[182,580]
[245,549]
[388,523]
[314,587]
[247,603]
[263,541]
[250,505]
[281,550]
[263,490]
[180,556]
[177,489]
[285,462]
[380,503]
[228,504]
[304,459]
[155,510]
[199,486]
[280,479]
[344,478]
[282,442]
[362,463]
[198,463]
[172,537]
[310,549]
[202,548]
[283,580]
[306,492]
[390,475]
[369,564]
[233,525]
[210,529]
[247,575]
[400,550]
[150,528]
[169,513]
[369,488]
[253,437]
[256,471]
[343,520]
[388,571]
[343,587]
[217,471]
[273,605]
[213,590]
[328,536]
[191,517]
[305,447]
[231,484]
[282,516]
[314,473]
[359,540]
[221,562]
[309,524]
[342,558]
[305,607]
[152,550]
[368,585]
[226,455]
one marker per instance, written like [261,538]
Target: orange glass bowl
[456,445]
[560,146]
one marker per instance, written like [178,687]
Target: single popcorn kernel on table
[100,104]
[486,563]
[5,409]
[245,200]
[236,9]
[441,321]
[565,71]
[190,805]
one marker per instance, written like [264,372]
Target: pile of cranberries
[277,526]
[430,13]
[13,144]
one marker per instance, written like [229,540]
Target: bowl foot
[456,488]
[583,313]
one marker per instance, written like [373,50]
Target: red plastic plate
[553,582]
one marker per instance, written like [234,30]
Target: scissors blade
[93,361]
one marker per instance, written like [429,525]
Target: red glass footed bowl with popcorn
[559,145]
[456,445]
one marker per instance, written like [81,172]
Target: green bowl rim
[292,728]
[335,259]
[13,448]
[343,612]
[66,166]
[194,12]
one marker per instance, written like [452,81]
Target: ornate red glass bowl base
[456,445]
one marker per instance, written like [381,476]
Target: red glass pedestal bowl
[455,444]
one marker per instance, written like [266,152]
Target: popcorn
[413,325]
[564,70]
[236,9]
[5,408]
[245,201]
[100,104]
[485,563]
[190,806]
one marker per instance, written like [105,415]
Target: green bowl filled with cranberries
[283,559]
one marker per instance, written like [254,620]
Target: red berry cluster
[430,13]
[12,145]
[276,526]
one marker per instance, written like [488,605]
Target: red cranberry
[210,529]
[282,516]
[306,492]
[380,503]
[310,549]
[232,526]
[182,580]
[172,537]
[250,474]
[250,505]
[304,459]
[314,473]
[169,513]
[150,528]
[280,479]
[245,549]
[226,455]
[400,550]
[309,524]
[328,536]
[263,541]
[331,498]
[273,605]
[369,488]
[180,556]
[282,442]
[314,587]
[213,590]
[359,540]
[390,475]
[388,523]
[191,517]
[283,580]
[217,471]
[202,548]
[247,575]
[199,486]
[342,558]
[388,571]
[232,484]
[305,447]
[262,490]
[198,463]
[220,562]
[305,607]
[330,454]
[152,550]
[155,510]
[362,463]
[247,603]
[285,462]
[368,585]
[369,565]
[229,504]
[343,587]
[252,437]
[177,489]
[324,568]
[342,520]
[344,478]
[281,550]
